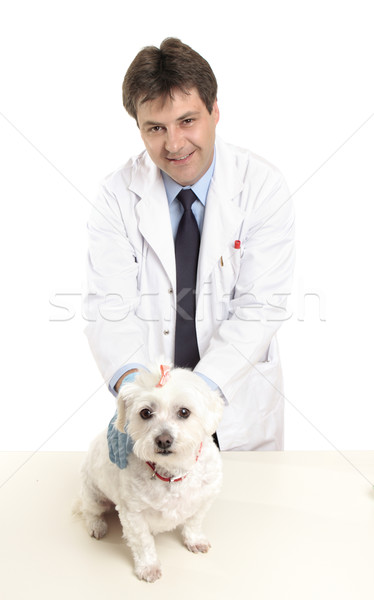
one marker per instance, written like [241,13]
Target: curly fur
[147,505]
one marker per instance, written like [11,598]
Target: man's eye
[184,413]
[146,413]
[156,128]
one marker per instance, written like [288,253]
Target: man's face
[179,134]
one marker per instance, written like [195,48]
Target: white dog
[173,473]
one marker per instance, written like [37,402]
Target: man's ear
[215,111]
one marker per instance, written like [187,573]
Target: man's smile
[180,159]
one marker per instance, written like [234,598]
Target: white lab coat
[241,292]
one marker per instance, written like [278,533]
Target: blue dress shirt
[200,188]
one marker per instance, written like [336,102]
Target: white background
[295,86]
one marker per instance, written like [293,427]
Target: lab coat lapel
[222,217]
[153,214]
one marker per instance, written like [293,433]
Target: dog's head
[168,422]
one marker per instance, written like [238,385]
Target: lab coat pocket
[266,381]
[226,273]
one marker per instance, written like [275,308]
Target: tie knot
[187,198]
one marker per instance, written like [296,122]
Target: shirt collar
[200,188]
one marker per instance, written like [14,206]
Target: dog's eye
[146,413]
[184,413]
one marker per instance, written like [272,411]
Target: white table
[287,525]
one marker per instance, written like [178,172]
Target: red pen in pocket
[237,245]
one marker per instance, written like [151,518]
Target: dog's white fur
[147,505]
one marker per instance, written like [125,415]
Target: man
[200,278]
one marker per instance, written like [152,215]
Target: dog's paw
[97,528]
[150,573]
[196,547]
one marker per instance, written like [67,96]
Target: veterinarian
[191,252]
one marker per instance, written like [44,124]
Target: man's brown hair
[156,72]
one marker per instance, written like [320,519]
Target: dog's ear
[124,401]
[213,404]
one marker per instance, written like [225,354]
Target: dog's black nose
[164,441]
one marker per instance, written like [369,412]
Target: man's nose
[174,141]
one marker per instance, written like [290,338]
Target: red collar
[171,479]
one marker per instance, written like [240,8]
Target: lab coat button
[166,332]
[170,290]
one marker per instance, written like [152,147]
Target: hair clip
[165,375]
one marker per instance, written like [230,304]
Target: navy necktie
[187,244]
